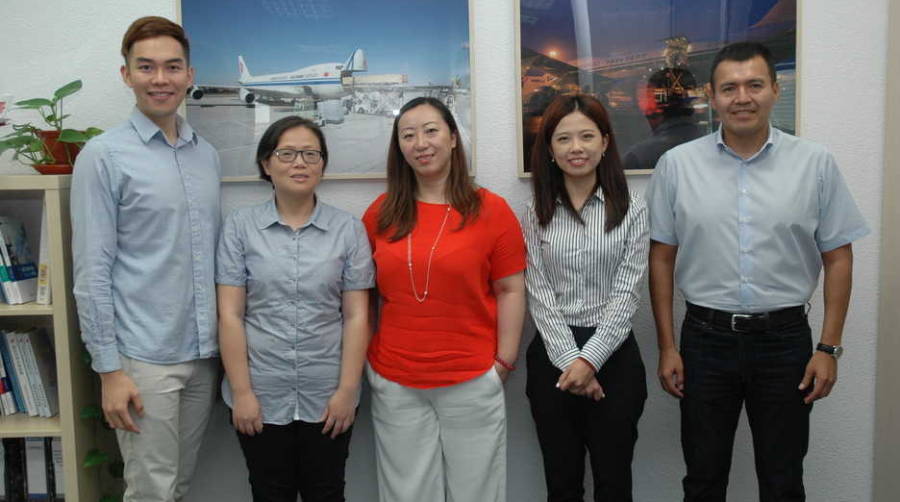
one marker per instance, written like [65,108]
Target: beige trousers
[440,444]
[160,460]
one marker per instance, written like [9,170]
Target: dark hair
[742,51]
[398,210]
[547,177]
[269,140]
[151,27]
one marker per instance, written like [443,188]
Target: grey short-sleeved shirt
[750,233]
[294,282]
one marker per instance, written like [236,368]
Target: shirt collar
[147,129]
[269,216]
[770,141]
[598,194]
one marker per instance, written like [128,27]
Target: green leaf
[91,411]
[35,145]
[110,498]
[90,132]
[34,103]
[95,457]
[68,89]
[72,136]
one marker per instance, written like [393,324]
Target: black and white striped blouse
[579,275]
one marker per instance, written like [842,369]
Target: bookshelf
[23,196]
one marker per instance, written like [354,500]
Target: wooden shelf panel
[35,182]
[26,309]
[21,425]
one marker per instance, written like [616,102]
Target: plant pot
[53,168]
[58,150]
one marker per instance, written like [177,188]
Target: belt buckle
[735,317]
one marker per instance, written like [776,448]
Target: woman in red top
[449,270]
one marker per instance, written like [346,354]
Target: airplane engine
[247,96]
[195,92]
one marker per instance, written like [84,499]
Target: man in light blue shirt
[742,221]
[145,218]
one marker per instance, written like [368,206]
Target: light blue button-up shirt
[750,233]
[294,281]
[145,219]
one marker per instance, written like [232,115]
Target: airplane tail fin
[242,68]
[356,61]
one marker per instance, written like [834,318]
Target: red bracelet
[506,365]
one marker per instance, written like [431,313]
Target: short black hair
[743,51]
[269,140]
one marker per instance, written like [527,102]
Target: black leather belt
[747,322]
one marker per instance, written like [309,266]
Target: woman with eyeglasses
[450,258]
[293,275]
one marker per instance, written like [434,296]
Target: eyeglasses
[288,155]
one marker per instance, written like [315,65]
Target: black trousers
[726,370]
[285,460]
[568,425]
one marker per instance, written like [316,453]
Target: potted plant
[53,150]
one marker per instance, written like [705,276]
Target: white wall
[842,57]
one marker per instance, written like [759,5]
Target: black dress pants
[285,460]
[726,370]
[569,425]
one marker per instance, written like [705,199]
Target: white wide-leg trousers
[440,444]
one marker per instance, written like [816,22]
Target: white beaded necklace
[409,265]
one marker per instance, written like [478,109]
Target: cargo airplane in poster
[320,82]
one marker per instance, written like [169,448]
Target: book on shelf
[20,284]
[15,388]
[6,397]
[34,465]
[36,346]
[43,278]
[31,370]
[20,372]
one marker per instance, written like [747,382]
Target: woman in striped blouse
[587,253]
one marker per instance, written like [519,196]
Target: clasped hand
[579,379]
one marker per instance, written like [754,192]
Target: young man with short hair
[145,219]
[753,214]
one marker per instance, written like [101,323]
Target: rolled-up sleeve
[231,268]
[359,271]
[94,202]
[660,197]
[840,221]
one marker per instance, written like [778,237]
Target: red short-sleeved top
[451,337]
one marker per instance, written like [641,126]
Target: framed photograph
[648,62]
[348,65]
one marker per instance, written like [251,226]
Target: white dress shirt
[580,275]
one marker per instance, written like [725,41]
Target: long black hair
[547,177]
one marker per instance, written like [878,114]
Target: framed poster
[348,65]
[648,62]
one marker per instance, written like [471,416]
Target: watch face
[838,351]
